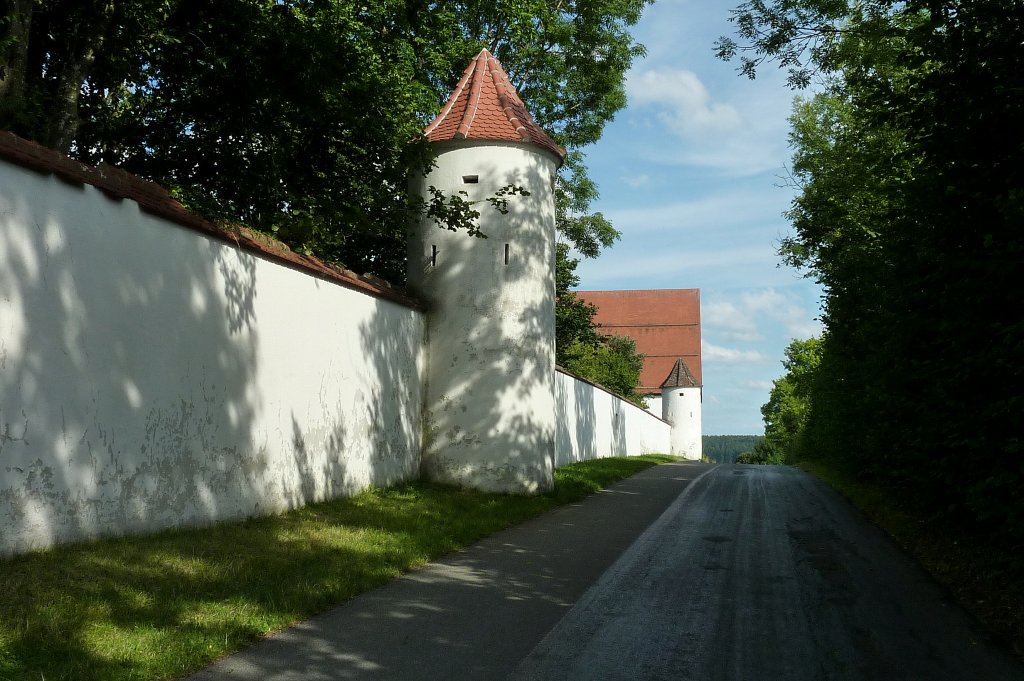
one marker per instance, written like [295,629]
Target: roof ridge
[452,98]
[474,102]
[508,97]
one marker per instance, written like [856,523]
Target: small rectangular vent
[506,254]
[433,256]
[471,179]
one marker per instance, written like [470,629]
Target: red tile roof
[485,106]
[665,323]
[154,199]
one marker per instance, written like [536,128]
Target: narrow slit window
[470,179]
[433,255]
[506,254]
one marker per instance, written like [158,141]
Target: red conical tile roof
[485,106]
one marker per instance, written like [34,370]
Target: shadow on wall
[586,421]
[151,376]
[595,423]
[391,419]
[618,434]
[124,367]
[490,411]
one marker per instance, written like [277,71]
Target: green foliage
[574,318]
[611,361]
[789,403]
[725,448]
[301,118]
[910,164]
[578,480]
[764,453]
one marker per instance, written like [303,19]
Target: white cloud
[716,121]
[684,104]
[728,320]
[718,211]
[716,353]
[784,309]
[636,181]
[739,318]
[757,385]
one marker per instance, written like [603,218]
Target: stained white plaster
[153,377]
[490,413]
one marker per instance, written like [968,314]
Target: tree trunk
[14,33]
[63,119]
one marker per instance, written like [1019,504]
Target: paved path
[476,613]
[694,572]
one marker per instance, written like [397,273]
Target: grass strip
[161,606]
[986,578]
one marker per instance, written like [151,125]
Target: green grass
[985,577]
[161,606]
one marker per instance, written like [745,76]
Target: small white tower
[680,404]
[489,403]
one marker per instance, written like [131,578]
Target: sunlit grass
[161,606]
[986,578]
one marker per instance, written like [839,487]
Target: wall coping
[563,370]
[156,200]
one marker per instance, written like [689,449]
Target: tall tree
[789,403]
[910,164]
[47,51]
[298,117]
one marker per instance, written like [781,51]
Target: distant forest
[725,448]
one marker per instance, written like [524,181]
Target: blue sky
[692,173]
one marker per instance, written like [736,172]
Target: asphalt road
[682,572]
[762,572]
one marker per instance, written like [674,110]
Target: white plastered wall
[594,423]
[151,376]
[654,405]
[682,408]
[490,413]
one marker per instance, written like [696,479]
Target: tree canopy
[301,117]
[789,403]
[909,163]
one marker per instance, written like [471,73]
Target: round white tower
[489,403]
[680,404]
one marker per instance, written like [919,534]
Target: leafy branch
[454,212]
